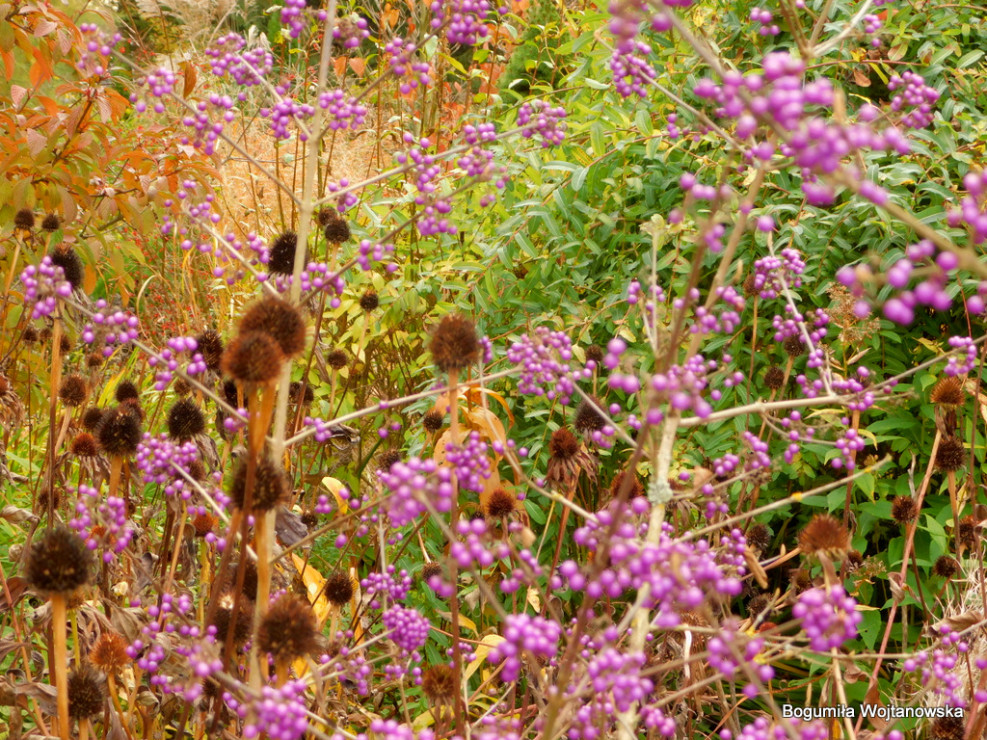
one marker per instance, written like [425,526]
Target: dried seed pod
[288,630]
[185,420]
[455,345]
[339,589]
[119,431]
[253,357]
[59,562]
[278,319]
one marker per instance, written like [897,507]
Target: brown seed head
[91,418]
[759,538]
[73,391]
[947,728]
[204,524]
[774,378]
[967,532]
[500,505]
[271,485]
[439,684]
[24,219]
[430,571]
[223,619]
[278,319]
[51,222]
[59,562]
[801,580]
[119,431]
[86,694]
[339,589]
[903,509]
[127,391]
[325,215]
[30,335]
[945,566]
[951,455]
[65,344]
[249,579]
[337,230]
[387,459]
[794,346]
[84,445]
[337,359]
[68,260]
[369,300]
[455,345]
[253,358]
[588,419]
[595,353]
[289,630]
[563,445]
[296,395]
[181,387]
[185,420]
[948,392]
[94,360]
[211,348]
[825,534]
[432,421]
[109,654]
[618,483]
[282,259]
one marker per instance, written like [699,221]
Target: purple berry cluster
[522,634]
[829,617]
[538,117]
[159,458]
[544,358]
[247,68]
[408,628]
[44,285]
[103,523]
[413,483]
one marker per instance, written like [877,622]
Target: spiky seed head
[759,537]
[280,320]
[51,222]
[289,631]
[903,509]
[500,505]
[750,285]
[801,580]
[197,470]
[94,360]
[854,559]
[230,393]
[59,562]
[73,391]
[325,215]
[296,394]
[119,431]
[65,344]
[204,524]
[109,654]
[86,694]
[45,334]
[430,571]
[945,566]
[618,483]
[774,378]
[948,392]
[242,623]
[951,455]
[133,406]
[127,391]
[68,260]
[91,418]
[432,421]
[339,589]
[455,345]
[337,230]
[337,359]
[271,485]
[826,535]
[369,300]
[967,532]
[588,419]
[947,728]
[794,346]
[439,684]
[563,445]
[595,353]
[185,420]
[253,357]
[387,459]
[30,335]
[249,579]
[757,604]
[211,348]
[181,387]
[84,445]
[282,259]
[24,219]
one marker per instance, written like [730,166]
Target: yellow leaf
[487,423]
[335,486]
[534,600]
[314,584]
[487,644]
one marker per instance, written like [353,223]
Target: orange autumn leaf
[358,65]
